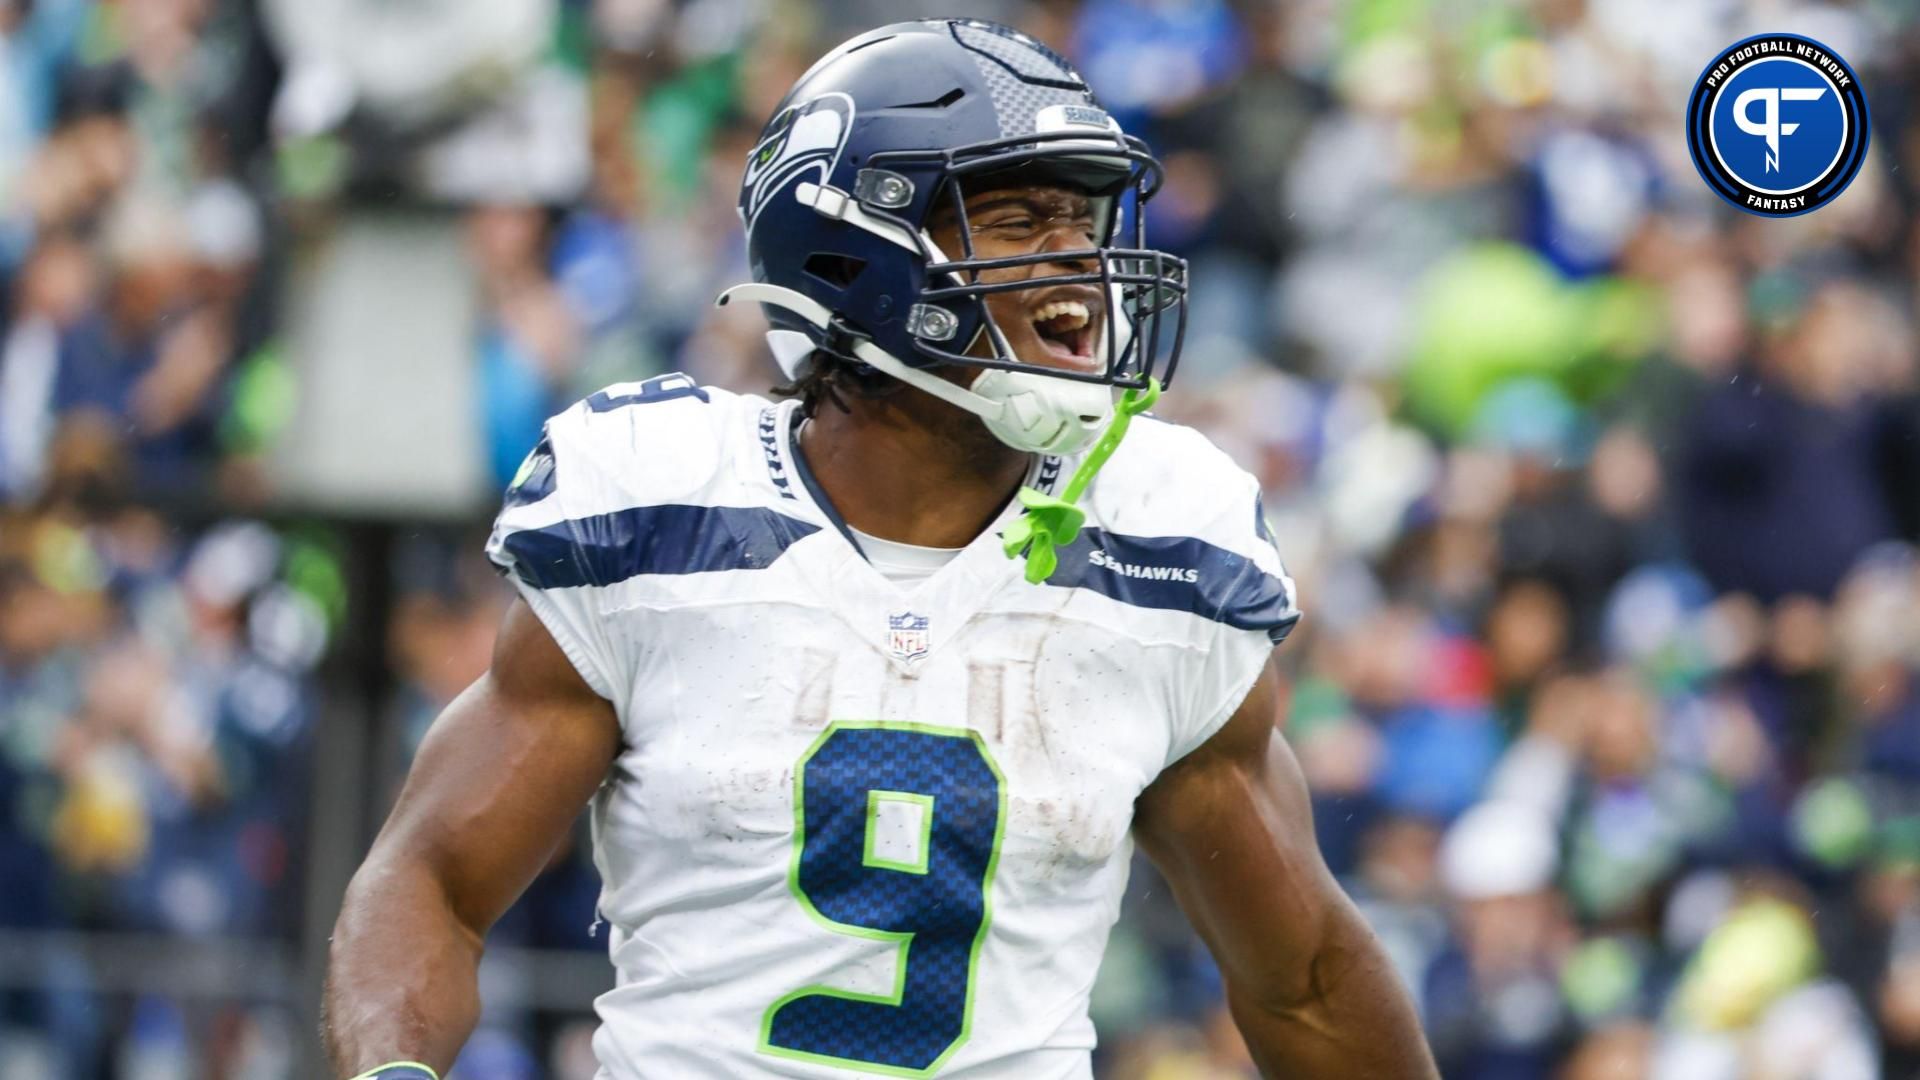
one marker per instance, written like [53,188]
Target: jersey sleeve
[1254,613]
[594,507]
[548,541]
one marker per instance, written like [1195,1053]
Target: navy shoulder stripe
[1178,573]
[673,539]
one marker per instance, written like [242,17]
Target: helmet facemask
[1141,321]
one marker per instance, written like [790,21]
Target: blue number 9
[935,906]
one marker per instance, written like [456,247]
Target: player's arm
[1312,991]
[497,784]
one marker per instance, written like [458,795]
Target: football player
[870,691]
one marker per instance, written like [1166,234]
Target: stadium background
[1601,495]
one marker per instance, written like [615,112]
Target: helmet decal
[804,138]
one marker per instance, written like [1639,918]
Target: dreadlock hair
[827,375]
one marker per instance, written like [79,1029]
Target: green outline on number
[876,796]
[902,938]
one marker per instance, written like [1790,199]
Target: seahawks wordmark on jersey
[854,828]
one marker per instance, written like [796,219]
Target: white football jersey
[855,828]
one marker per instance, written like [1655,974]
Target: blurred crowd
[155,705]
[137,348]
[1604,498]
[155,660]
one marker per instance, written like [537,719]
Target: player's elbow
[1301,991]
[396,887]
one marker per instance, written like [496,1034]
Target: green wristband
[399,1070]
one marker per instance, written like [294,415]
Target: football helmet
[896,124]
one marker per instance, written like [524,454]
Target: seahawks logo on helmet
[804,138]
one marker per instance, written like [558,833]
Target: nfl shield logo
[907,635]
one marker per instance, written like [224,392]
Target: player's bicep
[502,774]
[1230,828]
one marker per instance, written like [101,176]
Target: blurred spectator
[1490,1004]
[1790,450]
[530,337]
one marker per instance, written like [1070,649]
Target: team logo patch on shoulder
[907,637]
[534,480]
[1778,125]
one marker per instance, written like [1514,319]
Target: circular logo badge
[1777,125]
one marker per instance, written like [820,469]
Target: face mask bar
[1139,296]
[1138,284]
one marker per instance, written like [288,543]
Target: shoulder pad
[638,443]
[1168,479]
[1173,523]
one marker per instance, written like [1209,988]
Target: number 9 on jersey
[897,831]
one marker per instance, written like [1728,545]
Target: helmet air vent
[835,270]
[941,102]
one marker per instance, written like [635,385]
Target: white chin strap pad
[1026,410]
[1043,414]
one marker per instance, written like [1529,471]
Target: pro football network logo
[1777,125]
[907,635]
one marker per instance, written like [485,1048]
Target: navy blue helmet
[880,132]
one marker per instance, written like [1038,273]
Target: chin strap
[863,350]
[1027,410]
[1052,522]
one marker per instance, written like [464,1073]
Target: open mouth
[1067,328]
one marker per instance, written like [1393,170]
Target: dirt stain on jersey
[987,698]
[1038,714]
[1071,836]
[815,697]
[746,804]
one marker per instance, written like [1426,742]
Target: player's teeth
[1074,308]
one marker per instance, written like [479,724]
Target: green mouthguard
[1051,522]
